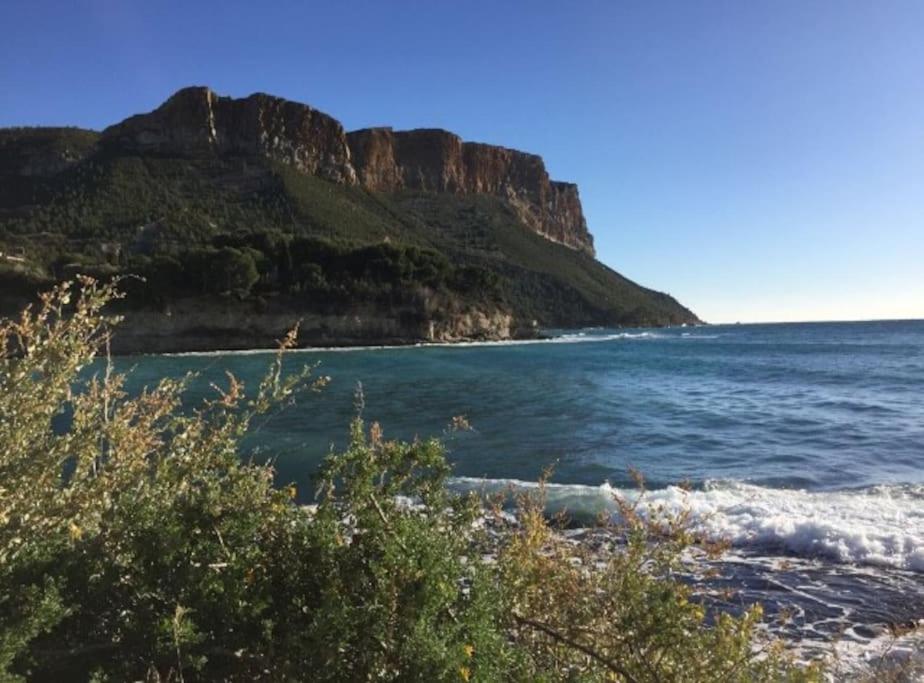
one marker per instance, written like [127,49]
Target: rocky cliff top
[196,121]
[434,160]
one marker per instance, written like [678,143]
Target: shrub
[626,615]
[136,543]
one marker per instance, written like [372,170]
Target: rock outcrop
[433,160]
[196,121]
[216,324]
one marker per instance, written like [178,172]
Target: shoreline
[579,338]
[576,335]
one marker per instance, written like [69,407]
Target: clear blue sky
[758,160]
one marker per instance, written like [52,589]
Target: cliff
[431,160]
[196,121]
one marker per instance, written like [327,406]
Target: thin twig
[378,508]
[565,640]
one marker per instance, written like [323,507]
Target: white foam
[870,661]
[880,526]
[692,335]
[569,338]
[584,337]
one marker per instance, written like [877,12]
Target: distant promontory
[243,215]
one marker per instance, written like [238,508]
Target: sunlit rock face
[196,121]
[433,160]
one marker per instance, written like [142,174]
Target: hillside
[244,215]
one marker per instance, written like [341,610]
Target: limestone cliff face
[427,159]
[567,225]
[439,161]
[197,121]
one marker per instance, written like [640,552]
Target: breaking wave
[881,526]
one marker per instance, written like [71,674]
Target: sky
[760,160]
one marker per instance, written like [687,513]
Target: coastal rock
[196,121]
[473,325]
[225,324]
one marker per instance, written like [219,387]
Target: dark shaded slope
[546,281]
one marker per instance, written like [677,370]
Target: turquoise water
[815,406]
[804,442]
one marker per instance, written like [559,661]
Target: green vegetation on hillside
[138,544]
[19,145]
[112,214]
[324,275]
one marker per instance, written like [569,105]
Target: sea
[801,444]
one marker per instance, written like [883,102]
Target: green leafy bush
[136,543]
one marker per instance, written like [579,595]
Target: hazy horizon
[813,322]
[761,163]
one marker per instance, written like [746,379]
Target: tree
[233,270]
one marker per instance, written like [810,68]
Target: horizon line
[817,321]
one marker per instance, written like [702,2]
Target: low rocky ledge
[226,325]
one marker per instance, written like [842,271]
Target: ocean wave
[880,526]
[613,336]
[693,335]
